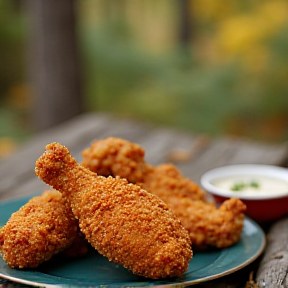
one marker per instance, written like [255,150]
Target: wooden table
[193,154]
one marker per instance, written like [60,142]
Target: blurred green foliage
[232,95]
[13,32]
[230,79]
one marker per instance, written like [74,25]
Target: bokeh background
[211,67]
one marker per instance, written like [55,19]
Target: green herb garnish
[254,184]
[239,186]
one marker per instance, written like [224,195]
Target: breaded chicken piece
[38,230]
[115,156]
[119,157]
[166,180]
[122,221]
[207,225]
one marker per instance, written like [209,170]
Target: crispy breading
[119,157]
[38,230]
[207,225]
[166,180]
[122,221]
[114,156]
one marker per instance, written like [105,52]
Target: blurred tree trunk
[54,64]
[185,27]
[185,33]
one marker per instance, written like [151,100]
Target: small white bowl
[262,205]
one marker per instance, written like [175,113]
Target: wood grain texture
[273,269]
[17,176]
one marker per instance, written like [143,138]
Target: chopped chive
[238,186]
[254,184]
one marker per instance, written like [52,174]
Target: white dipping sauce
[252,185]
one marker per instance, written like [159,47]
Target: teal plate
[94,270]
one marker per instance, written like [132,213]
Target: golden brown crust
[166,180]
[118,157]
[122,221]
[207,225]
[115,156]
[37,231]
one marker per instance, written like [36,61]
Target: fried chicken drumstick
[207,225]
[122,221]
[38,230]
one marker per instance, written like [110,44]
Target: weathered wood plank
[273,269]
[17,171]
[19,168]
[159,142]
[227,151]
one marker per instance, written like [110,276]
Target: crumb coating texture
[122,221]
[115,156]
[38,230]
[118,157]
[166,180]
[207,225]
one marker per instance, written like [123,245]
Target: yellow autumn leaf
[7,146]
